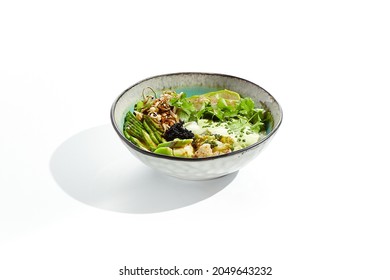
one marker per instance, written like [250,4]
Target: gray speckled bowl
[195,83]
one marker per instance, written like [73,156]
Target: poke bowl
[195,126]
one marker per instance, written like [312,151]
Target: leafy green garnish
[240,112]
[185,108]
[246,107]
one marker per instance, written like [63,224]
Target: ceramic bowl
[195,83]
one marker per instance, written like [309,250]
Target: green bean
[127,135]
[148,140]
[131,118]
[152,125]
[135,123]
[151,133]
[138,143]
[134,131]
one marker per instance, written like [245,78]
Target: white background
[313,205]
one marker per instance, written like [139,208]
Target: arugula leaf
[184,107]
[246,107]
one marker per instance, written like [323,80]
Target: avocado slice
[164,151]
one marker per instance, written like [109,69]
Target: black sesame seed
[178,131]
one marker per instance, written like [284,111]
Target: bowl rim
[148,153]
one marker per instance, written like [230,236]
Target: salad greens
[239,110]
